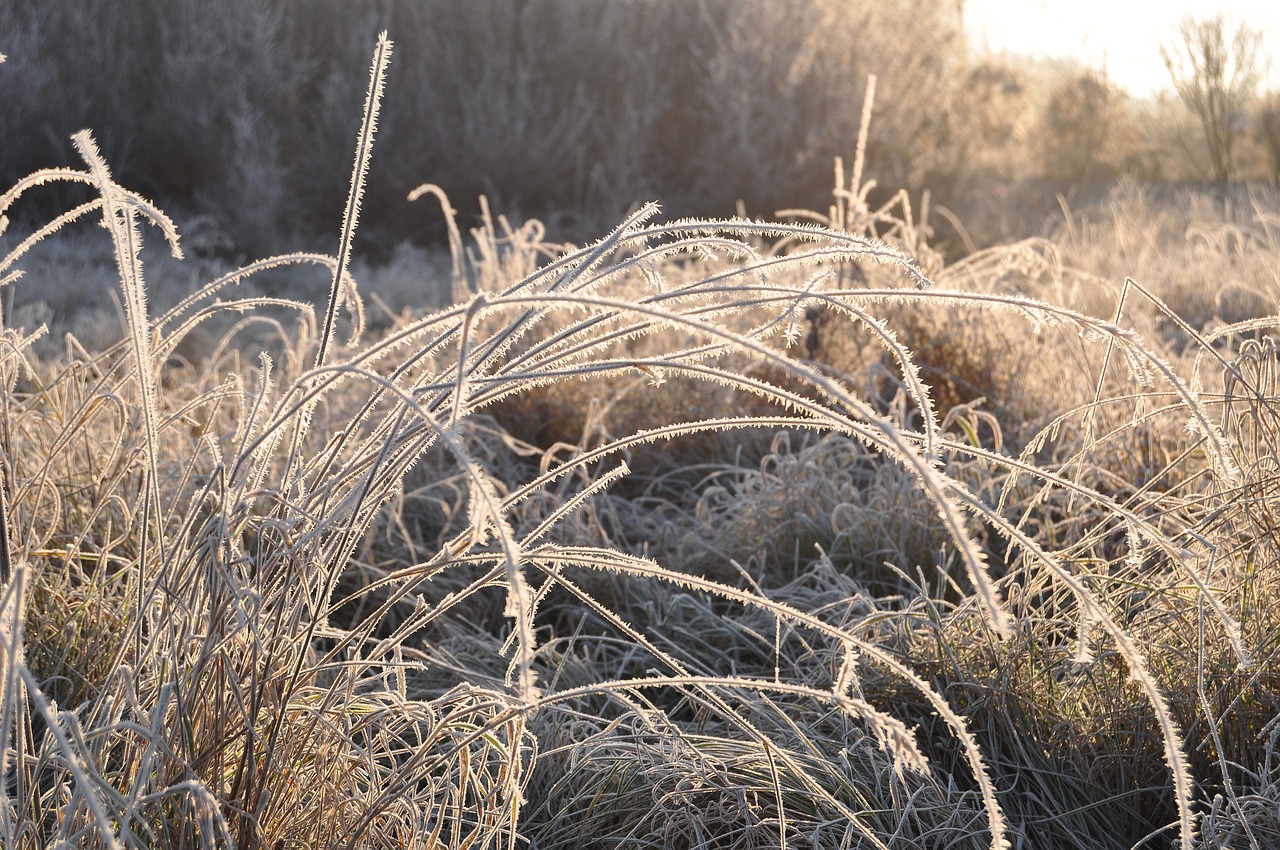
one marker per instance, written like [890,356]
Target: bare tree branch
[1215,78]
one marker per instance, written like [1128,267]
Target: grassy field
[708,533]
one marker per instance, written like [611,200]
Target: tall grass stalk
[339,291]
[119,217]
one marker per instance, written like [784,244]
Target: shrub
[561,107]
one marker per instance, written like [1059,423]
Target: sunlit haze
[1123,37]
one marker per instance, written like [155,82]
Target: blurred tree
[991,120]
[1267,122]
[1076,127]
[1215,79]
[568,110]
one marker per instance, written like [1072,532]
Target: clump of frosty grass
[204,645]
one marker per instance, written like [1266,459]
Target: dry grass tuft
[707,533]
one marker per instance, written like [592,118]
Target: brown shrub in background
[231,108]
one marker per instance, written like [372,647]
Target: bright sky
[1123,35]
